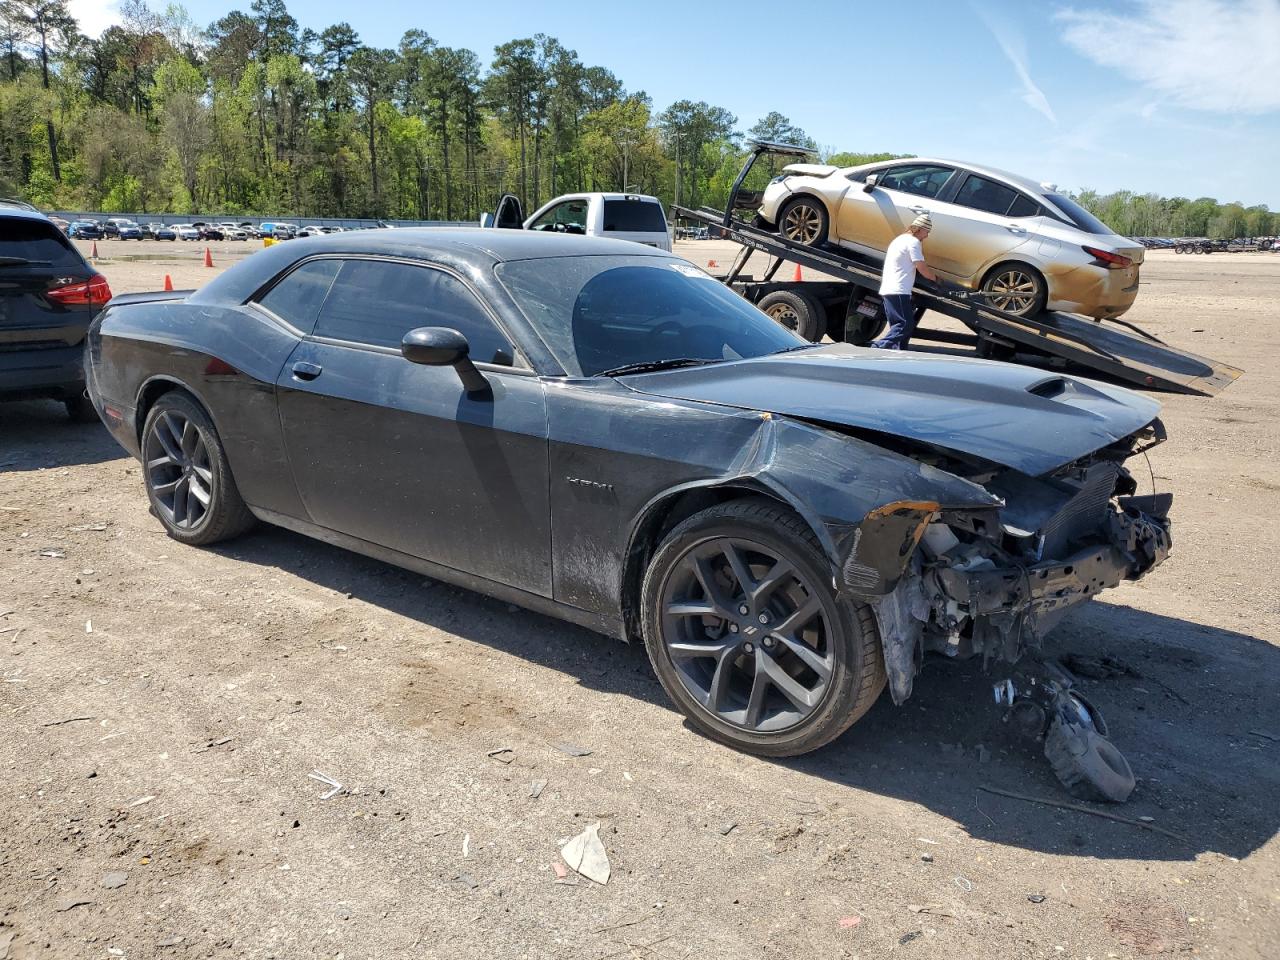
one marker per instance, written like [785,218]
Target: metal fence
[169,219]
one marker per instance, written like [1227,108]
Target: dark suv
[48,295]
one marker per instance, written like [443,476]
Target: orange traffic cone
[93,252]
[711,263]
[208,257]
[799,277]
[168,282]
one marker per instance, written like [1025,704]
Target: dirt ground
[164,706]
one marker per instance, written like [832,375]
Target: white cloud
[1216,55]
[1014,47]
[94,16]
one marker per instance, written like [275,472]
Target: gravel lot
[163,706]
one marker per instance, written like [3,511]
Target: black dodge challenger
[604,433]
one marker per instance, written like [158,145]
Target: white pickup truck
[622,216]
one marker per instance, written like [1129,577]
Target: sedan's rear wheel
[803,220]
[747,637]
[1015,288]
[186,474]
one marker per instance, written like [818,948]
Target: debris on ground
[847,923]
[1079,808]
[561,870]
[6,940]
[927,857]
[115,879]
[585,854]
[467,880]
[1036,897]
[70,903]
[908,937]
[466,845]
[58,723]
[502,754]
[1098,668]
[536,788]
[931,909]
[727,827]
[328,781]
[170,941]
[573,751]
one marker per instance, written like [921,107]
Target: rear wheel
[1015,288]
[747,637]
[186,474]
[798,311]
[803,220]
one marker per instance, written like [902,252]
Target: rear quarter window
[634,216]
[37,241]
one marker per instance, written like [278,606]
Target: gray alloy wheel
[747,636]
[1015,289]
[187,478]
[803,220]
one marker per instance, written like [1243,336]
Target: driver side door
[569,216]
[399,454]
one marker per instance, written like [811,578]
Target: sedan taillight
[1105,258]
[95,290]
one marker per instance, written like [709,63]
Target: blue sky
[1179,97]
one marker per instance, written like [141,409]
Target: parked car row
[123,228]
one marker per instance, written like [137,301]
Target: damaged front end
[992,582]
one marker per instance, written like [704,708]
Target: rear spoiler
[810,169]
[153,296]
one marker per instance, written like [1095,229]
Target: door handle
[306,371]
[917,209]
[1014,228]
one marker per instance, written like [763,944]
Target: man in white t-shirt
[901,262]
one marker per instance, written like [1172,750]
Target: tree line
[254,114]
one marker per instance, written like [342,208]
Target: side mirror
[443,347]
[870,184]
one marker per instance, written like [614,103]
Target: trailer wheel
[796,311]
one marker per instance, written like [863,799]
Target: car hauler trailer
[847,307]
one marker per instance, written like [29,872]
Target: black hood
[1029,420]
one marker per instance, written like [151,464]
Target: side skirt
[609,626]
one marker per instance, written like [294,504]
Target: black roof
[466,249]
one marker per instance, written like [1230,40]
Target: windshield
[1077,214]
[602,313]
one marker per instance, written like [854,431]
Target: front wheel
[747,636]
[1016,288]
[803,220]
[186,474]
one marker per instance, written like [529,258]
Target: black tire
[1087,763]
[80,409]
[850,639]
[804,219]
[1028,290]
[798,311]
[225,514]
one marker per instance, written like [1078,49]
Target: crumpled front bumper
[999,611]
[1138,541]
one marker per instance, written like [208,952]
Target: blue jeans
[902,322]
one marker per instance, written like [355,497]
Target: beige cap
[922,221]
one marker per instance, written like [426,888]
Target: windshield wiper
[798,346]
[646,366]
[23,262]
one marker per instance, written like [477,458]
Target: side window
[1024,206]
[979,193]
[296,299]
[376,303]
[920,179]
[567,217]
